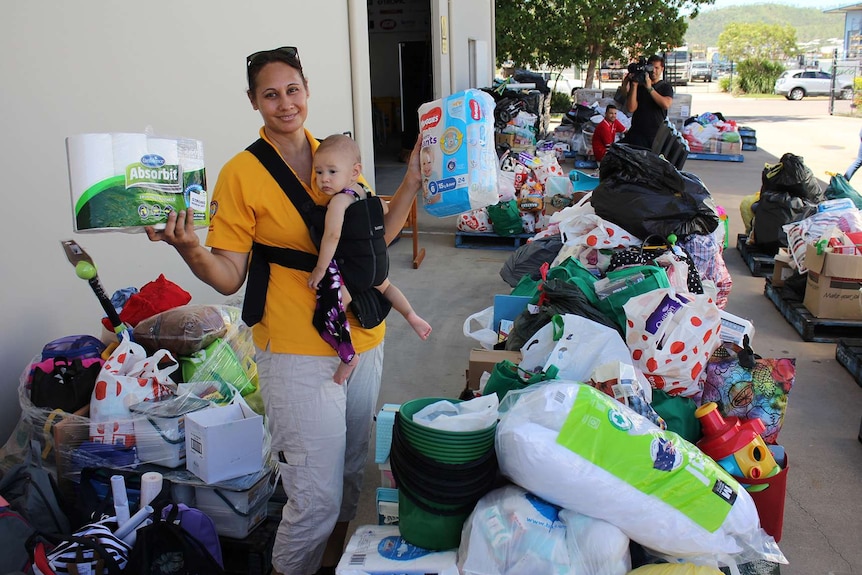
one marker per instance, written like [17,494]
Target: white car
[559,83]
[796,84]
[700,71]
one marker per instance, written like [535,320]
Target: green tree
[757,41]
[588,31]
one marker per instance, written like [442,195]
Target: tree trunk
[591,73]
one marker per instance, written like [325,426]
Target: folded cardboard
[224,442]
[783,268]
[832,287]
[482,360]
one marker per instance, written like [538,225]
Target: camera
[639,70]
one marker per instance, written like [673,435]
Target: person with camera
[648,98]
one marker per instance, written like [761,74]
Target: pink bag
[127,378]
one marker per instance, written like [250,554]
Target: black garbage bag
[790,175]
[578,115]
[562,298]
[772,211]
[528,258]
[645,195]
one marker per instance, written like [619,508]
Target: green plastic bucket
[410,408]
[436,527]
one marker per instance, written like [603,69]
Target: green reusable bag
[636,280]
[506,218]
[507,376]
[839,188]
[573,271]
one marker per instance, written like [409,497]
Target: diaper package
[458,160]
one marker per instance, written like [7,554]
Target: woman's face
[281,98]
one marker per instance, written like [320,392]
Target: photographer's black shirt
[649,115]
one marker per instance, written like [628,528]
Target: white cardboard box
[224,442]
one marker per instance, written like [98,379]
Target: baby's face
[333,172]
[426,164]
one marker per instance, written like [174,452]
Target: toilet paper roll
[128,149]
[91,160]
[151,486]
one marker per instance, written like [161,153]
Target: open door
[416,86]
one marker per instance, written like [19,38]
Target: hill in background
[810,23]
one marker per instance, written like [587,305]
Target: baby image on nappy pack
[458,159]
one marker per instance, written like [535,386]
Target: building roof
[848,8]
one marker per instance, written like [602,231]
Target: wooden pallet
[848,352]
[811,328]
[473,240]
[716,157]
[759,263]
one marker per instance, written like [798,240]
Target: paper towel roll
[128,149]
[91,160]
[151,486]
[165,148]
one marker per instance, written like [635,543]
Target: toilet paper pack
[458,159]
[125,181]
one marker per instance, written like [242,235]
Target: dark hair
[610,107]
[655,58]
[256,62]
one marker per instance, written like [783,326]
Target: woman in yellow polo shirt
[320,430]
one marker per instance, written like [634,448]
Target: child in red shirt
[606,132]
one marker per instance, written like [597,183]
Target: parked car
[559,83]
[796,84]
[701,71]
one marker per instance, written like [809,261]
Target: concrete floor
[823,515]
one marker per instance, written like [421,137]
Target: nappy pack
[458,159]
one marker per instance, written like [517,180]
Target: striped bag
[91,549]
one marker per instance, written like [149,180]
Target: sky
[822,4]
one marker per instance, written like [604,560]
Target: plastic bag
[575,345]
[672,337]
[584,451]
[128,377]
[484,333]
[513,532]
[593,231]
[473,415]
[839,188]
[475,221]
[646,195]
[182,330]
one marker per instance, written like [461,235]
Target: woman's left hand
[414,172]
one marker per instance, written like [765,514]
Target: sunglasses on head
[288,51]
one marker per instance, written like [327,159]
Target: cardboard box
[832,287]
[482,360]
[224,442]
[782,269]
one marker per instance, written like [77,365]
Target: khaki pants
[320,435]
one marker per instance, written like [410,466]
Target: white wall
[116,65]
[470,20]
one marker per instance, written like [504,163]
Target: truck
[676,66]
